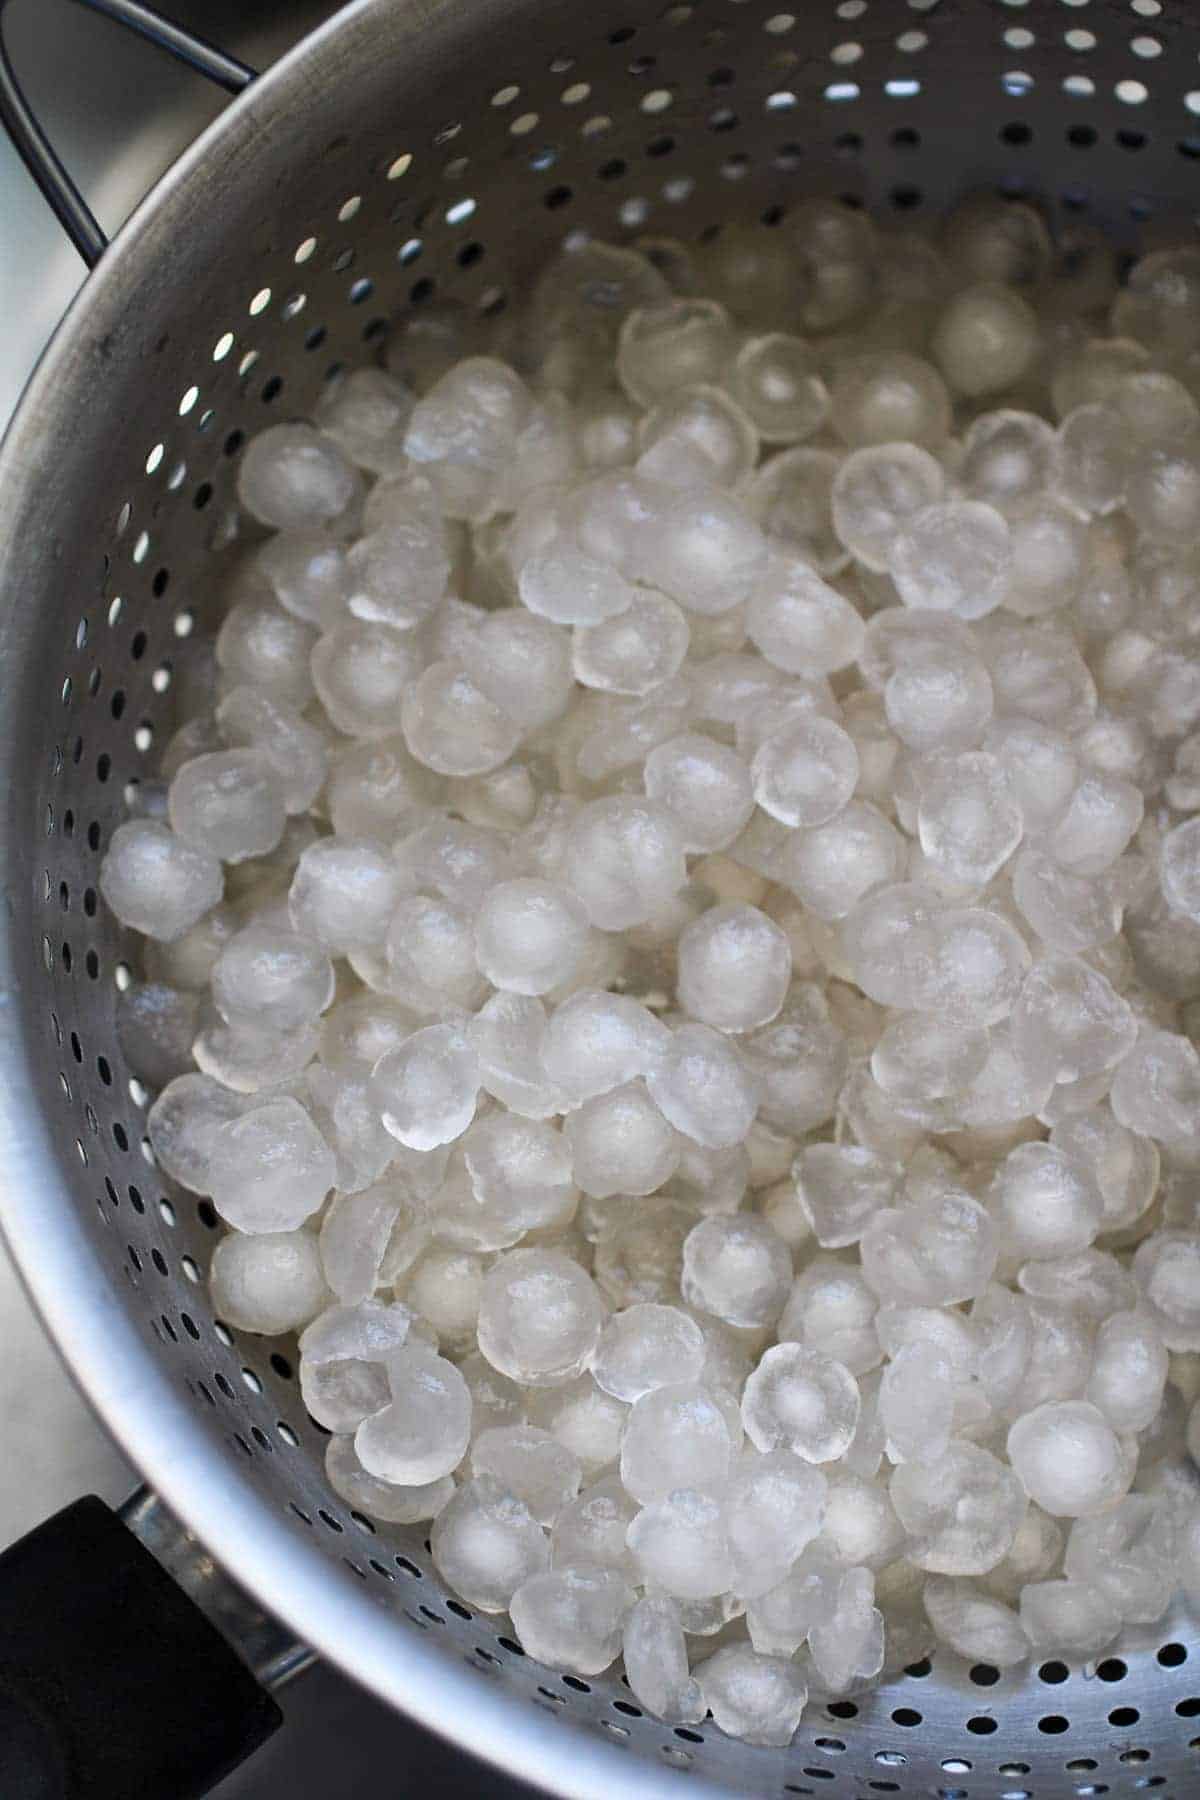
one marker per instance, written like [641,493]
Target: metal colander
[409,152]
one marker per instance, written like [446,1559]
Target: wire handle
[38,153]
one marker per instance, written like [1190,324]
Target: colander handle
[38,153]
[115,1682]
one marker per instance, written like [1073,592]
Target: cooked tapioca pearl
[679,1545]
[1129,1555]
[572,1618]
[486,1543]
[292,476]
[426,1090]
[672,345]
[922,1058]
[376,789]
[875,493]
[680,1435]
[1156,1090]
[1072,913]
[941,699]
[759,1699]
[294,750]
[451,726]
[1049,561]
[954,557]
[1045,1202]
[780,1620]
[848,1645]
[791,497]
[621,1143]
[805,773]
[648,1347]
[443,1287]
[605,432]
[261,645]
[521,663]
[938,1252]
[968,821]
[344,893]
[1093,459]
[423,1434]
[275,978]
[889,397]
[985,340]
[531,1464]
[228,803]
[656,1662]
[604,520]
[430,951]
[507,1033]
[464,431]
[706,787]
[697,435]
[1068,1616]
[1129,1372]
[624,858]
[1069,1459]
[362,673]
[586,1420]
[1125,1165]
[356,1231]
[157,883]
[384,1500]
[801,1400]
[182,1126]
[569,587]
[530,935]
[540,1317]
[397,574]
[249,1057]
[987,238]
[974,1625]
[704,1088]
[595,1042]
[834,866]
[1167,1270]
[702,548]
[365,413]
[1180,868]
[962,1509]
[737,1269]
[1068,1010]
[773,1510]
[307,574]
[590,1531]
[734,967]
[458,861]
[832,1309]
[270,1168]
[270,1283]
[1039,673]
[635,652]
[777,382]
[889,947]
[800,623]
[1040,766]
[979,962]
[1162,495]
[1009,457]
[840,1187]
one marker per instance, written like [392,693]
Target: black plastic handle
[113,1685]
[38,153]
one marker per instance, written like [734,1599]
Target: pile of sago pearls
[673,920]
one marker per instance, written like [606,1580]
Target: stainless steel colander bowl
[418,150]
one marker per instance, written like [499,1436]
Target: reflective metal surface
[411,153]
